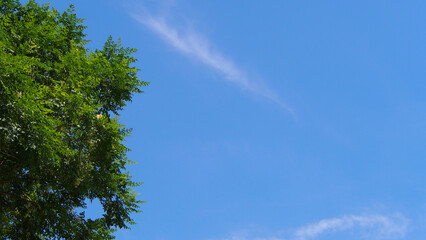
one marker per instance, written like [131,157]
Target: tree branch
[17,197]
[9,155]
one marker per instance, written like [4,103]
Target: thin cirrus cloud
[370,226]
[376,226]
[194,45]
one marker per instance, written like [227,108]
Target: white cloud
[245,236]
[377,226]
[251,238]
[194,45]
[368,226]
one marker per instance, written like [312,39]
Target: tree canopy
[60,138]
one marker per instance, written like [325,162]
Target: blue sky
[274,120]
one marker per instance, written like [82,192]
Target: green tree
[60,139]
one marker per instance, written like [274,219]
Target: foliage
[60,139]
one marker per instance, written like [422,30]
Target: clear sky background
[274,120]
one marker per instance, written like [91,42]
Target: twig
[17,197]
[9,155]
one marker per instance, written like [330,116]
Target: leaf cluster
[60,138]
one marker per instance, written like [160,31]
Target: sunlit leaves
[60,140]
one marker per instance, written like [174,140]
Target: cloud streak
[384,227]
[370,226]
[194,45]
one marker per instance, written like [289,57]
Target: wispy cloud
[370,226]
[378,226]
[192,44]
[251,234]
